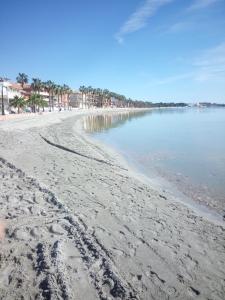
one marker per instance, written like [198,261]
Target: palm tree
[18,102]
[106,95]
[90,91]
[42,103]
[54,90]
[66,91]
[69,92]
[100,97]
[36,85]
[48,86]
[22,78]
[57,93]
[94,95]
[61,92]
[86,91]
[34,101]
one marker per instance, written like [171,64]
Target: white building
[8,91]
[6,94]
[76,99]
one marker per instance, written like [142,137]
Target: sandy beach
[80,225]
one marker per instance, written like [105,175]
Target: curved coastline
[161,185]
[94,230]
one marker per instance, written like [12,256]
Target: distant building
[76,99]
[114,102]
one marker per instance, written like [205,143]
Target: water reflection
[107,121]
[104,122]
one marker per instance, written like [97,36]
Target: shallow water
[184,146]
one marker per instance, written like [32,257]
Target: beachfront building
[53,96]
[94,98]
[8,92]
[89,101]
[4,103]
[76,99]
[65,103]
[45,95]
[114,102]
[16,89]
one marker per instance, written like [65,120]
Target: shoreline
[160,184]
[91,229]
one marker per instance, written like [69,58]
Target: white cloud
[140,17]
[199,4]
[180,26]
[208,67]
[211,64]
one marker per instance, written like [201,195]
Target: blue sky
[167,50]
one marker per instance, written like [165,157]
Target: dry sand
[81,226]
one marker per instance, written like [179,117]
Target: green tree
[54,91]
[36,85]
[48,86]
[66,91]
[42,103]
[100,97]
[18,102]
[34,101]
[94,97]
[22,78]
[61,92]
[106,96]
[57,93]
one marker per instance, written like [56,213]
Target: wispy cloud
[199,4]
[139,18]
[208,67]
[211,64]
[172,79]
[180,26]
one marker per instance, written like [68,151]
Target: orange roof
[16,86]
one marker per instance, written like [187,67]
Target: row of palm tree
[102,97]
[54,90]
[91,97]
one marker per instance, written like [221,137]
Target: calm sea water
[184,146]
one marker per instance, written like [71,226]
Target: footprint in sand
[56,229]
[35,232]
[119,252]
[20,234]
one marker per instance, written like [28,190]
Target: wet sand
[80,225]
